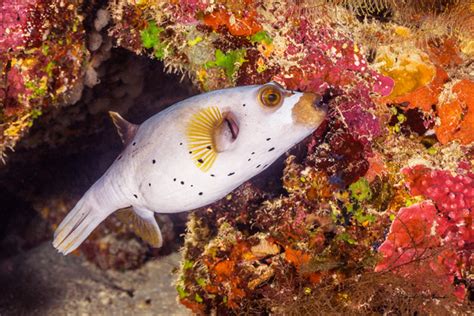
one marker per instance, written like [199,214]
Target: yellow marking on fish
[200,136]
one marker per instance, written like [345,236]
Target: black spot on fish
[213,175]
[271,149]
[243,105]
[134,143]
[209,147]
[174,179]
[182,182]
[149,184]
[136,196]
[153,161]
[200,160]
[180,144]
[265,166]
[268,139]
[192,185]
[249,159]
[190,152]
[231,174]
[119,157]
[258,166]
[253,153]
[200,193]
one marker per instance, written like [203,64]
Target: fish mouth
[322,101]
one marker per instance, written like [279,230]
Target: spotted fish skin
[159,172]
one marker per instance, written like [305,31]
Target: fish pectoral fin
[144,225]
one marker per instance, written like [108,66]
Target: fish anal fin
[143,223]
[125,129]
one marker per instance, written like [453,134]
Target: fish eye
[270,96]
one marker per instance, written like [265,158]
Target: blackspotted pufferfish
[191,155]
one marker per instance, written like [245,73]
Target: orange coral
[195,307]
[426,96]
[225,272]
[457,115]
[224,269]
[408,67]
[376,167]
[444,53]
[299,260]
[296,257]
[237,25]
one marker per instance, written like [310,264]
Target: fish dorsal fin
[143,223]
[125,129]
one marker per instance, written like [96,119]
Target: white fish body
[192,154]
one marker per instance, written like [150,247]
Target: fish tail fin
[79,223]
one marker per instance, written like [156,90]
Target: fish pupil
[272,97]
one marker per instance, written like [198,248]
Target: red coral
[433,237]
[13,18]
[453,194]
[409,236]
[332,60]
[415,247]
[342,157]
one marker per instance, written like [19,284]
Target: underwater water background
[371,214]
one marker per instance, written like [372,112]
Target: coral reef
[398,82]
[42,55]
[373,212]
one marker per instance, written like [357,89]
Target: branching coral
[417,245]
[434,237]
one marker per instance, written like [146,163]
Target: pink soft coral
[451,193]
[433,236]
[417,248]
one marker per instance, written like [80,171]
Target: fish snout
[310,109]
